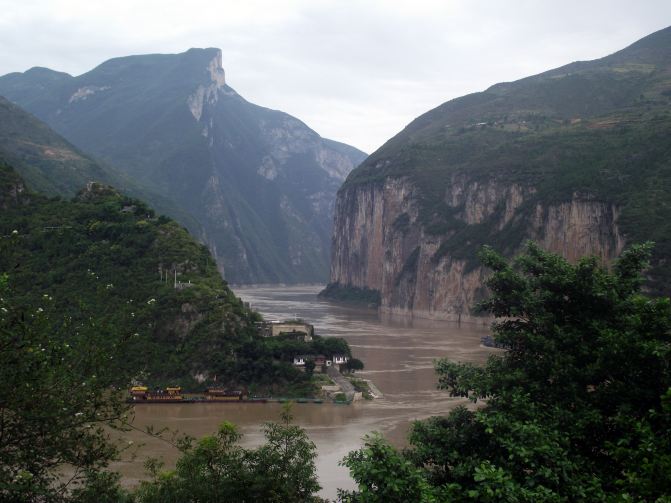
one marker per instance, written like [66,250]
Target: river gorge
[398,354]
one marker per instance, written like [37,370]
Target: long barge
[173,395]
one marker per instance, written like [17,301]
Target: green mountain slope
[496,167]
[105,253]
[259,182]
[47,162]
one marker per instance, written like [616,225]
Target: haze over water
[398,354]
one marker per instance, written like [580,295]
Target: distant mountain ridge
[259,182]
[577,158]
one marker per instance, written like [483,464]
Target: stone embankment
[374,390]
[345,386]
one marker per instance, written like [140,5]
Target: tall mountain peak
[217,70]
[259,183]
[211,59]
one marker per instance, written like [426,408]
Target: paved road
[344,384]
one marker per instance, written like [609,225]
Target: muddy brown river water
[398,354]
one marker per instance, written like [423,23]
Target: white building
[340,359]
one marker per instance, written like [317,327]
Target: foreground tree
[217,469]
[354,364]
[56,401]
[578,408]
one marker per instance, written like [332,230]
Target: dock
[374,390]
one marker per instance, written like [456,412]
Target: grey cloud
[355,71]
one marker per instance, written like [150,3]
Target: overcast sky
[355,71]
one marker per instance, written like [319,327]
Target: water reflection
[398,354]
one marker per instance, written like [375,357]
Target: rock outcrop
[380,243]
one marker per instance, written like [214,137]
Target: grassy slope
[47,162]
[601,128]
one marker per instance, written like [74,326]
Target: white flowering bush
[57,400]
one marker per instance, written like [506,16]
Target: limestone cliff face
[380,243]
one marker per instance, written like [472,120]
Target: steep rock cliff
[380,243]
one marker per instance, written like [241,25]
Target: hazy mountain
[259,182]
[46,161]
[50,164]
[577,158]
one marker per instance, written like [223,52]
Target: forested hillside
[110,258]
[51,165]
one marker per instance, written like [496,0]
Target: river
[398,354]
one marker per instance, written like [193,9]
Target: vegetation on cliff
[355,295]
[597,130]
[577,409]
[102,241]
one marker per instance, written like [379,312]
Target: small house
[299,360]
[340,359]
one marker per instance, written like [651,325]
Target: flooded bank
[398,354]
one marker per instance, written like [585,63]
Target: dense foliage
[162,291]
[578,408]
[104,242]
[57,400]
[265,363]
[356,295]
[58,377]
